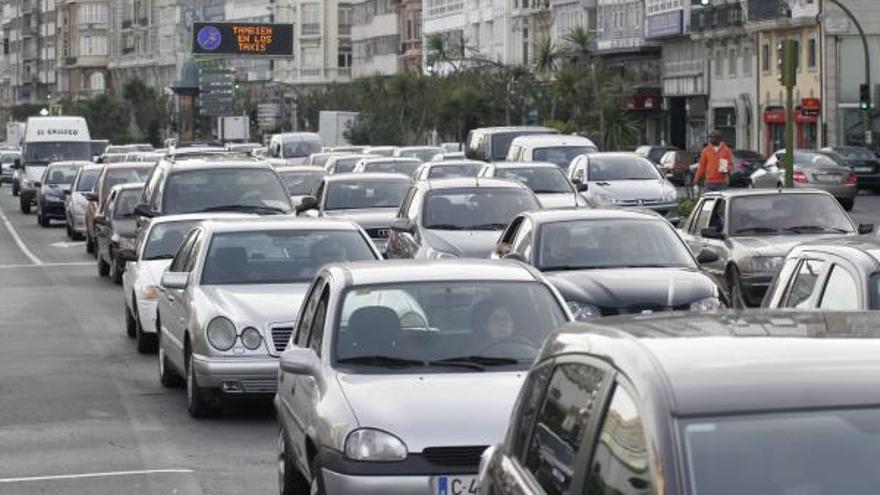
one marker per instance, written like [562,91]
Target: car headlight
[221,333]
[251,338]
[763,264]
[605,199]
[583,311]
[707,304]
[368,444]
[440,255]
[150,293]
[670,195]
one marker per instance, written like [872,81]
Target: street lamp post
[866,109]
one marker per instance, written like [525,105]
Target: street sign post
[242,39]
[788,78]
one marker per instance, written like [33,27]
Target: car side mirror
[711,233]
[127,255]
[307,203]
[706,256]
[402,225]
[143,210]
[866,228]
[514,256]
[301,361]
[581,186]
[175,280]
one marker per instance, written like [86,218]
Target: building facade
[375,38]
[83,45]
[570,14]
[29,54]
[409,25]
[323,42]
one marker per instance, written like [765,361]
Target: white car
[557,149]
[140,280]
[545,179]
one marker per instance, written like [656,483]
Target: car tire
[15,189]
[200,402]
[290,480]
[146,342]
[24,205]
[116,270]
[130,324]
[69,232]
[316,484]
[734,289]
[167,376]
[847,203]
[42,220]
[103,267]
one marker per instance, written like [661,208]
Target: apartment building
[83,46]
[409,25]
[570,14]
[29,51]
[375,38]
[323,42]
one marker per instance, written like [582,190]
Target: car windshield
[125,203]
[279,256]
[359,194]
[539,180]
[817,160]
[165,239]
[611,168]
[299,149]
[656,153]
[444,326]
[560,155]
[612,243]
[423,154]
[820,452]
[770,214]
[300,183]
[405,167]
[319,159]
[61,174]
[206,189]
[87,179]
[856,153]
[120,175]
[346,164]
[477,208]
[9,157]
[501,142]
[114,158]
[47,152]
[460,170]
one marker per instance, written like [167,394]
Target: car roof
[386,159]
[299,135]
[572,214]
[128,185]
[111,166]
[285,222]
[217,162]
[198,217]
[736,193]
[472,182]
[851,248]
[620,154]
[552,140]
[335,157]
[454,163]
[511,165]
[516,128]
[300,168]
[408,148]
[352,177]
[738,362]
[402,271]
[71,162]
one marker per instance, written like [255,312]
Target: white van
[293,148]
[557,149]
[47,140]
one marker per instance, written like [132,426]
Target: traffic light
[786,63]
[864,97]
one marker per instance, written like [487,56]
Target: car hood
[557,200]
[55,189]
[629,190]
[463,243]
[258,304]
[774,245]
[368,218]
[435,409]
[625,287]
[34,172]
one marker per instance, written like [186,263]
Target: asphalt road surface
[81,412]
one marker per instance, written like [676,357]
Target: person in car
[496,328]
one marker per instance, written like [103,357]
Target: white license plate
[827,178]
[864,169]
[454,485]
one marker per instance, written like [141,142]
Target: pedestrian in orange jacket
[716,161]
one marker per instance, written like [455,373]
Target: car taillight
[851,179]
[799,177]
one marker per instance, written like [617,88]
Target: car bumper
[147,315]
[754,287]
[238,376]
[343,484]
[839,191]
[52,210]
[78,222]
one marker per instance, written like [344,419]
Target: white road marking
[68,244]
[94,475]
[21,245]
[76,263]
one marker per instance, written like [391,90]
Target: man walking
[715,163]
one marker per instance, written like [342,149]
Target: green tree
[149,110]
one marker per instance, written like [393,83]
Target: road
[81,412]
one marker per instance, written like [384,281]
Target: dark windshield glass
[9,157]
[57,151]
[479,208]
[657,153]
[461,170]
[611,168]
[423,154]
[539,180]
[120,175]
[299,149]
[365,194]
[823,452]
[405,167]
[165,239]
[61,174]
[301,183]
[818,160]
[198,190]
[587,244]
[787,214]
[276,257]
[560,155]
[125,203]
[501,141]
[87,179]
[856,153]
[444,326]
[346,164]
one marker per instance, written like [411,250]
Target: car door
[699,219]
[103,225]
[172,322]
[842,289]
[801,293]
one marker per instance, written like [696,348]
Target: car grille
[641,308]
[259,386]
[280,336]
[639,202]
[454,456]
[381,233]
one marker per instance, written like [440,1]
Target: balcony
[721,17]
[765,10]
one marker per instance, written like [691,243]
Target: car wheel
[15,189]
[199,401]
[734,289]
[146,342]
[116,270]
[316,484]
[847,203]
[130,324]
[103,267]
[167,376]
[24,205]
[290,480]
[90,245]
[42,220]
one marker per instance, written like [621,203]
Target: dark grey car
[115,229]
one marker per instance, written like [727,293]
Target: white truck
[14,133]
[234,129]
[332,125]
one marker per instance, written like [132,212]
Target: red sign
[775,116]
[811,104]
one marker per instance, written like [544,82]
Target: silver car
[812,169]
[75,202]
[392,165]
[229,299]
[401,373]
[545,179]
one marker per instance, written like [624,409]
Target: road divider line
[21,245]
[47,265]
[95,475]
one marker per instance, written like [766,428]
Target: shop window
[765,58]
[811,54]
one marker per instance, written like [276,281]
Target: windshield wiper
[379,360]
[247,208]
[561,268]
[814,228]
[444,226]
[549,191]
[476,362]
[488,226]
[757,230]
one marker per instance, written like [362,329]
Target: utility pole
[788,77]
[865,89]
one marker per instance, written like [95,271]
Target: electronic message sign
[243,39]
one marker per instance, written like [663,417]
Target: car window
[476,208]
[404,205]
[560,155]
[614,168]
[717,218]
[316,331]
[193,253]
[841,291]
[165,239]
[560,427]
[357,194]
[539,180]
[804,282]
[801,213]
[108,204]
[181,256]
[527,407]
[579,169]
[125,203]
[522,243]
[621,462]
[703,216]
[780,282]
[307,314]
[86,180]
[212,188]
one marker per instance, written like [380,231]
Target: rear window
[202,190]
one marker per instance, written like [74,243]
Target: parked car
[456,218]
[300,181]
[53,186]
[230,297]
[624,180]
[421,153]
[145,264]
[610,262]
[752,231]
[834,275]
[654,153]
[343,164]
[293,148]
[116,229]
[545,179]
[696,404]
[864,162]
[814,170]
[76,202]
[382,352]
[490,144]
[110,175]
[745,163]
[383,165]
[370,200]
[676,164]
[556,149]
[448,169]
[7,160]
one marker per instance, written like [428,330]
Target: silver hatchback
[401,373]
